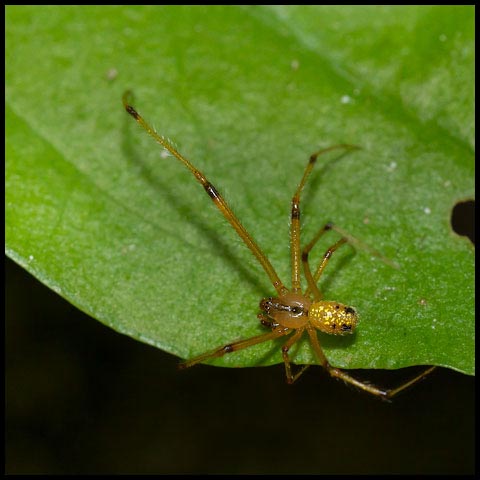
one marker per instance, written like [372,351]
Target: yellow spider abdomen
[333,317]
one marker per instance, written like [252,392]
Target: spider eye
[265,304]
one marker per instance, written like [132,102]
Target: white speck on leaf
[112,74]
[392,166]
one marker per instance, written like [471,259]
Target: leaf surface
[96,211]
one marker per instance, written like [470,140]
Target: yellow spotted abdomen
[333,317]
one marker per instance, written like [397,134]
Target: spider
[291,313]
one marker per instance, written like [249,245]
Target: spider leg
[233,347]
[394,391]
[265,321]
[295,215]
[212,192]
[313,279]
[286,359]
[383,393]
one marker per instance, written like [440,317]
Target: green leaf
[96,211]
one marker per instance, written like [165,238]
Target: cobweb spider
[291,313]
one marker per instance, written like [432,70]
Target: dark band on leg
[295,211]
[132,112]
[212,191]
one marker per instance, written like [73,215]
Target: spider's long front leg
[212,192]
[233,347]
[295,215]
[383,393]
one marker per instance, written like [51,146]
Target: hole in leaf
[463,219]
